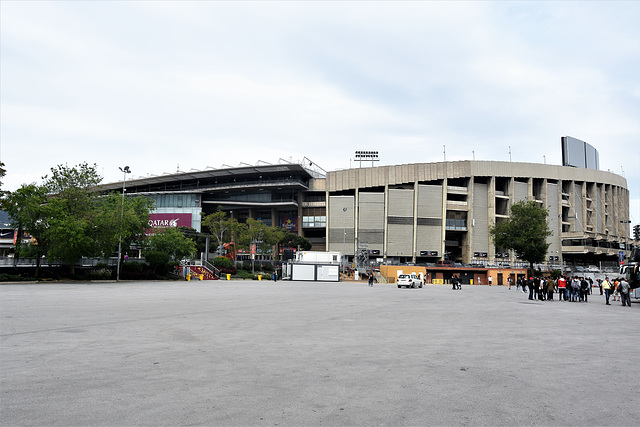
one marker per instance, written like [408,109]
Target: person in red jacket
[562,288]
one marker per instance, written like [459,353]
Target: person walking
[490,280]
[371,279]
[607,289]
[624,289]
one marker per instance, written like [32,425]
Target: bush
[244,274]
[222,263]
[133,266]
[159,261]
[12,278]
[228,271]
[267,267]
[100,274]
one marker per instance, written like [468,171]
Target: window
[314,221]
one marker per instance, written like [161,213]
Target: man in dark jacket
[530,285]
[584,289]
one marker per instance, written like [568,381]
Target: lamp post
[125,171]
[344,237]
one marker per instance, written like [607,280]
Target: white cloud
[155,84]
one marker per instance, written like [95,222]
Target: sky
[167,86]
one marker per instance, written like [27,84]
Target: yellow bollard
[228,277]
[259,277]
[188,277]
[201,276]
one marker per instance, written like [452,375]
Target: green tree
[27,207]
[113,220]
[172,242]
[295,241]
[525,231]
[221,227]
[256,233]
[69,219]
[198,238]
[71,212]
[3,172]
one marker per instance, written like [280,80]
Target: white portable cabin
[315,267]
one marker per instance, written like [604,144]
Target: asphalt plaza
[302,353]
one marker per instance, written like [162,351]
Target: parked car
[409,281]
[444,262]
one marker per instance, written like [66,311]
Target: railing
[206,265]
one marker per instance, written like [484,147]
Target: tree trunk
[531,268]
[37,272]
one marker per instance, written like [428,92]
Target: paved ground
[259,353]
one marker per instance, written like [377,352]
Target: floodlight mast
[366,155]
[125,171]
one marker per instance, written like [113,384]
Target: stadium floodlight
[366,155]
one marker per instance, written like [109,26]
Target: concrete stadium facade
[414,213]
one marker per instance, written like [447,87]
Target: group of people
[574,289]
[541,288]
[456,283]
[619,288]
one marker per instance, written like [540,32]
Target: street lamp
[344,236]
[125,171]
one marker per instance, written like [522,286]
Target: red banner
[159,221]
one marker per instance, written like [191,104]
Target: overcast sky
[165,85]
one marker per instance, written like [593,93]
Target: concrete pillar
[415,221]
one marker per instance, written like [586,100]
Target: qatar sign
[167,220]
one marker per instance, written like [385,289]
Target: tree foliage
[296,241]
[29,211]
[115,220]
[69,219]
[257,234]
[172,242]
[525,231]
[221,227]
[3,172]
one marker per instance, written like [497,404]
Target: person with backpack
[575,289]
[584,289]
[625,292]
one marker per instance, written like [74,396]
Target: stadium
[411,213]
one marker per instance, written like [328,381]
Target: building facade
[432,211]
[411,213]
